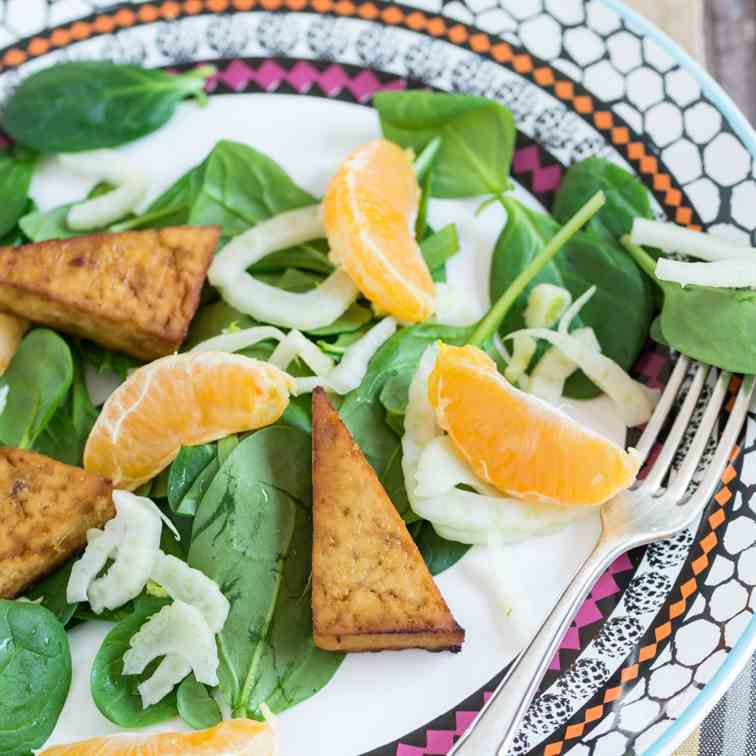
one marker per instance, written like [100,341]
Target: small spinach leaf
[35,675]
[478,137]
[15,177]
[196,706]
[65,436]
[115,694]
[438,248]
[85,105]
[105,360]
[438,553]
[37,382]
[190,463]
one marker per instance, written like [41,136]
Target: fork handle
[493,731]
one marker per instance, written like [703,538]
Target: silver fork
[647,512]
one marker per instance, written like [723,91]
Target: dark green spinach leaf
[438,553]
[37,382]
[251,536]
[115,694]
[189,465]
[35,675]
[196,706]
[85,105]
[52,591]
[620,311]
[478,137]
[438,248]
[15,177]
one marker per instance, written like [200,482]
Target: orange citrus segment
[236,737]
[178,401]
[518,443]
[369,214]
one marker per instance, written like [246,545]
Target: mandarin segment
[181,400]
[235,737]
[369,213]
[518,443]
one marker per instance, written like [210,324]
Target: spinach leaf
[40,225]
[712,325]
[105,360]
[354,319]
[478,137]
[620,311]
[15,177]
[626,197]
[65,436]
[311,256]
[85,105]
[338,346]
[251,536]
[37,382]
[438,553]
[196,706]
[189,465]
[438,248]
[211,320]
[35,675]
[52,591]
[115,694]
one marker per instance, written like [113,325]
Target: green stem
[424,161]
[644,260]
[491,322]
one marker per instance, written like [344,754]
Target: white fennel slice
[105,165]
[177,629]
[523,350]
[238,340]
[182,582]
[135,553]
[296,344]
[169,673]
[738,273]
[101,546]
[671,238]
[546,304]
[304,311]
[454,307]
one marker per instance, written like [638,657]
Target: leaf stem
[491,322]
[424,161]
[644,260]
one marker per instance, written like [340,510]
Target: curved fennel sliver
[105,165]
[459,515]
[169,673]
[304,311]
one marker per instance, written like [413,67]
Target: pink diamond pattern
[302,76]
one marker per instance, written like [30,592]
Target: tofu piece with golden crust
[371,589]
[135,292]
[46,508]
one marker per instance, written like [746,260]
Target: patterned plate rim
[745,647]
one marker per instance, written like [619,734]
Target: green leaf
[212,320]
[52,591]
[35,675]
[86,105]
[311,256]
[15,178]
[251,536]
[438,248]
[626,197]
[354,319]
[116,694]
[37,382]
[620,311]
[714,326]
[190,463]
[438,553]
[65,436]
[478,137]
[105,360]
[196,706]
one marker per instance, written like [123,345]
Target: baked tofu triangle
[46,508]
[135,292]
[371,590]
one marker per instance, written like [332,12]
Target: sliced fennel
[178,630]
[296,344]
[546,304]
[135,553]
[105,165]
[101,546]
[554,368]
[453,307]
[735,273]
[169,673]
[238,340]
[193,587]
[523,350]
[305,311]
[671,238]
[430,464]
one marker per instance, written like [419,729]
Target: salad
[207,394]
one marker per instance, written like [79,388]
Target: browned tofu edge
[158,343]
